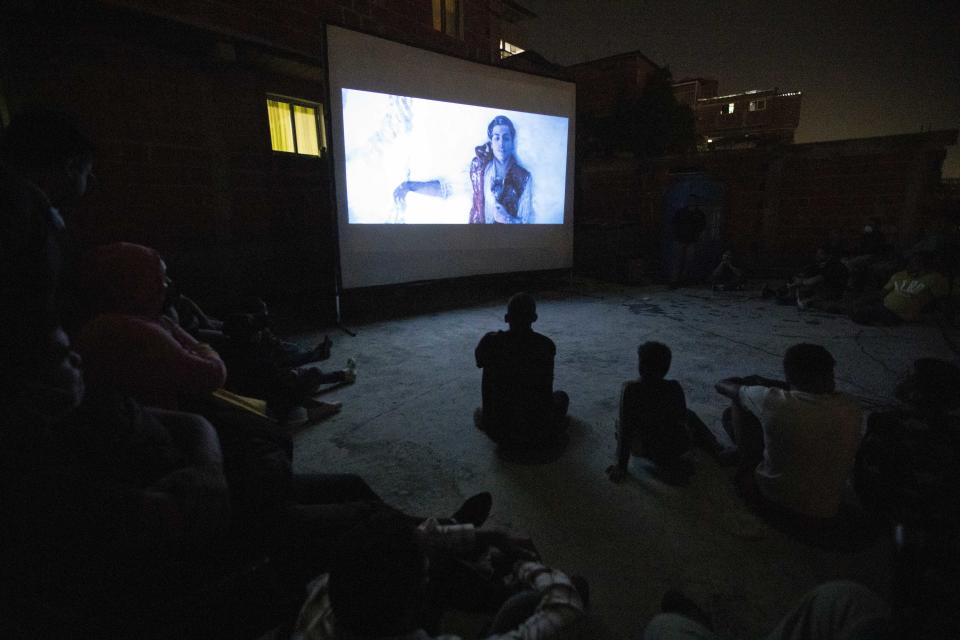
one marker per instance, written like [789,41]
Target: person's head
[727,256]
[378,580]
[48,149]
[503,137]
[934,386]
[521,311]
[42,374]
[809,367]
[653,359]
[920,262]
[125,278]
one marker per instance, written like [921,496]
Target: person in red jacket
[129,344]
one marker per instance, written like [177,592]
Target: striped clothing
[555,618]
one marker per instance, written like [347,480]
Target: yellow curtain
[305,124]
[281,130]
[438,15]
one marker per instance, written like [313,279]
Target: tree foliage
[656,123]
[650,125]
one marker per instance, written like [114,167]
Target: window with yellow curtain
[296,126]
[447,18]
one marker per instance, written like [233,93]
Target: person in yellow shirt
[906,294]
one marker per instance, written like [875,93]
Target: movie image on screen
[417,161]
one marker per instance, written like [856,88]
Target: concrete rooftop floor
[407,428]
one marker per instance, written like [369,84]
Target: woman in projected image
[502,188]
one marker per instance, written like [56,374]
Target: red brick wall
[782,203]
[173,93]
[297,25]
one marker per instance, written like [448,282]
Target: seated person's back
[659,406]
[810,444]
[807,432]
[518,401]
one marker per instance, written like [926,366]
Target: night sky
[865,68]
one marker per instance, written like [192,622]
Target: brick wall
[173,93]
[781,203]
[183,153]
[297,25]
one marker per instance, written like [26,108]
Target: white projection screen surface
[446,168]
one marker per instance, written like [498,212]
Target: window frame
[508,49]
[760,104]
[319,120]
[440,21]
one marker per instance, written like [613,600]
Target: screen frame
[374,255]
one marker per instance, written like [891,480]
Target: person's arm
[761,381]
[192,434]
[730,388]
[811,281]
[432,188]
[681,403]
[560,608]
[194,365]
[626,424]
[481,353]
[205,321]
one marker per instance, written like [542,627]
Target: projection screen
[446,168]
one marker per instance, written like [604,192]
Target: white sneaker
[350,373]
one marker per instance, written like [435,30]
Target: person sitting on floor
[869,250]
[380,585]
[906,295]
[252,315]
[797,440]
[908,465]
[102,499]
[101,495]
[653,416]
[46,166]
[129,344]
[520,408]
[823,281]
[727,276]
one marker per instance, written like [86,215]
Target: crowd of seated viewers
[872,283]
[126,480]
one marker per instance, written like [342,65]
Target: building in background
[604,85]
[689,90]
[740,120]
[512,18]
